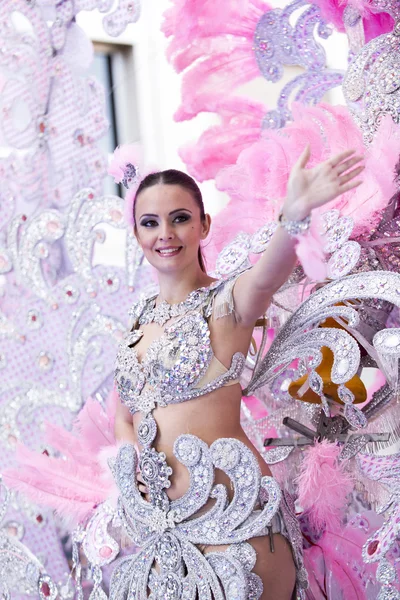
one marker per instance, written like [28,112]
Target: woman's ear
[205,226]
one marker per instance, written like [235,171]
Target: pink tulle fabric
[214,43]
[72,486]
[374,24]
[323,486]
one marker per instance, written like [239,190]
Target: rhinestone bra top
[175,364]
[171,370]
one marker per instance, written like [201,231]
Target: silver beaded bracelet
[294,228]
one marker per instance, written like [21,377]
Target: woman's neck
[175,287]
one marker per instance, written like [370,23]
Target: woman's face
[168,227]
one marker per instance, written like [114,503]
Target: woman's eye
[181,218]
[149,223]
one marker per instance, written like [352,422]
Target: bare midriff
[210,417]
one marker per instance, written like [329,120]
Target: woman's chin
[167,264]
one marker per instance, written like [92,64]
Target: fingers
[350,175]
[350,186]
[141,484]
[304,157]
[347,164]
[338,158]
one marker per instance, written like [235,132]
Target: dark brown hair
[174,177]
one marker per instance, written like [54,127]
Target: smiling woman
[197,495]
[157,189]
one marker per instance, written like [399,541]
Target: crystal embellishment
[169,537]
[344,260]
[371,86]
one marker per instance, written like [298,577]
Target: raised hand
[310,188]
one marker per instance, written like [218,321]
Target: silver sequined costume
[170,531]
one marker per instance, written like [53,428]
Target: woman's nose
[166,232]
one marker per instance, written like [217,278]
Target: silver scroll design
[387,345]
[20,571]
[29,244]
[169,538]
[278,43]
[386,471]
[300,337]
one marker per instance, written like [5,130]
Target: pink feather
[200,16]
[323,486]
[72,511]
[262,170]
[260,173]
[70,445]
[217,74]
[72,490]
[192,24]
[122,156]
[95,426]
[220,145]
[310,252]
[331,570]
[214,43]
[334,561]
[75,484]
[63,472]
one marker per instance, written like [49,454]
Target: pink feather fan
[213,44]
[213,41]
[74,484]
[323,486]
[220,145]
[262,170]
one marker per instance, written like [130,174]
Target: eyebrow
[171,213]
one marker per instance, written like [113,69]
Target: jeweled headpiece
[125,167]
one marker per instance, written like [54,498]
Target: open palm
[310,188]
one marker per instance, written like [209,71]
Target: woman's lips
[170,251]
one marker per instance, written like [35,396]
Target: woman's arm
[307,189]
[123,426]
